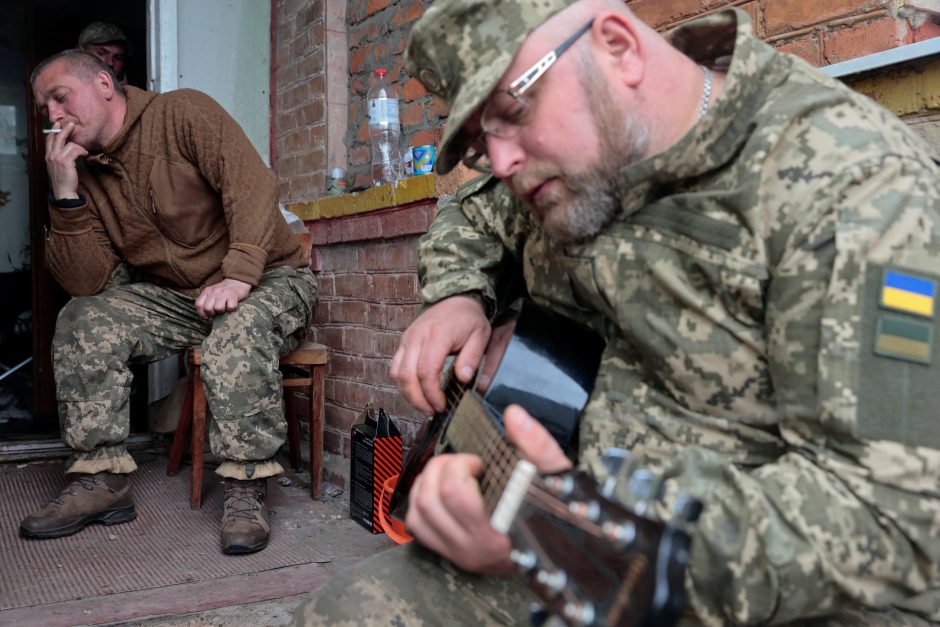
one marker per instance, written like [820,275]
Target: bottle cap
[380,72]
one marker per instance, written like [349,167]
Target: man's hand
[60,161]
[455,324]
[445,508]
[221,297]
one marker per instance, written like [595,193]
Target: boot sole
[241,549]
[107,517]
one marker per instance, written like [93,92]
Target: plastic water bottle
[385,130]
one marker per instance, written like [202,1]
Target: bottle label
[383,112]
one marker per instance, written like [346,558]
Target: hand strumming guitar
[446,511]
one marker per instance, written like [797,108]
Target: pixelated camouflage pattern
[730,292]
[97,337]
[459,49]
[410,585]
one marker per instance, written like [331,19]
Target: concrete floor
[324,524]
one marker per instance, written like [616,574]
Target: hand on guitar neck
[455,325]
[446,510]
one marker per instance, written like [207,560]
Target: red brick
[807,48]
[929,30]
[347,367]
[413,90]
[321,314]
[341,418]
[784,15]
[375,316]
[341,258]
[411,221]
[859,40]
[330,336]
[326,285]
[659,13]
[358,340]
[354,394]
[412,114]
[395,287]
[400,316]
[349,311]
[375,6]
[398,255]
[353,284]
[387,343]
[406,14]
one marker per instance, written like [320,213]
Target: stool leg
[199,439]
[316,430]
[293,429]
[182,430]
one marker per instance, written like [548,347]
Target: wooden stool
[309,356]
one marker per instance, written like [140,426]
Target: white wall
[224,49]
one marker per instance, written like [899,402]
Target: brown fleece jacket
[179,193]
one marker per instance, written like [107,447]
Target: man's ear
[620,45]
[104,82]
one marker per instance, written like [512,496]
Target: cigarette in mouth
[46,131]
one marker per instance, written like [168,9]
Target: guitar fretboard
[472,430]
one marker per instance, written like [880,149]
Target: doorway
[31,31]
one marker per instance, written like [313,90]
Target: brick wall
[378,34]
[298,119]
[365,266]
[823,33]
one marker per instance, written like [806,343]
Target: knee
[74,318]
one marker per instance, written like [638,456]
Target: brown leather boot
[103,497]
[245,524]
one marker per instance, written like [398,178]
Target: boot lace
[83,482]
[243,501]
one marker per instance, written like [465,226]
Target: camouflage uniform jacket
[179,193]
[741,295]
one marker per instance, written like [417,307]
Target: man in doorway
[107,42]
[166,231]
[758,245]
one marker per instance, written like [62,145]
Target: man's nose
[505,154]
[56,113]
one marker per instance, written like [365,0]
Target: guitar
[590,559]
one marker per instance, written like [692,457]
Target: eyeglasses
[507,110]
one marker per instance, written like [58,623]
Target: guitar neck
[473,430]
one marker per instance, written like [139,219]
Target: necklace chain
[706,92]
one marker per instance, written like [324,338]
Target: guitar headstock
[593,561]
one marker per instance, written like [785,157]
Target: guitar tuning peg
[615,460]
[538,615]
[617,463]
[687,508]
[645,487]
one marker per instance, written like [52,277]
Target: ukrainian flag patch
[910,340]
[905,292]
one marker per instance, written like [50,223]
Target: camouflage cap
[102,33]
[460,49]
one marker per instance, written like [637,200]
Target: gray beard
[596,190]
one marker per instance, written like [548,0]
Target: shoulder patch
[908,293]
[897,391]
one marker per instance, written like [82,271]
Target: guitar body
[592,560]
[536,359]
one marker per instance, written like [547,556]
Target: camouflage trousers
[409,585]
[98,337]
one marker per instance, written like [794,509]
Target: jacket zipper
[151,217]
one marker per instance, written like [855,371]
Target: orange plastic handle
[394,529]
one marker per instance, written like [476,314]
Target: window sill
[407,191]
